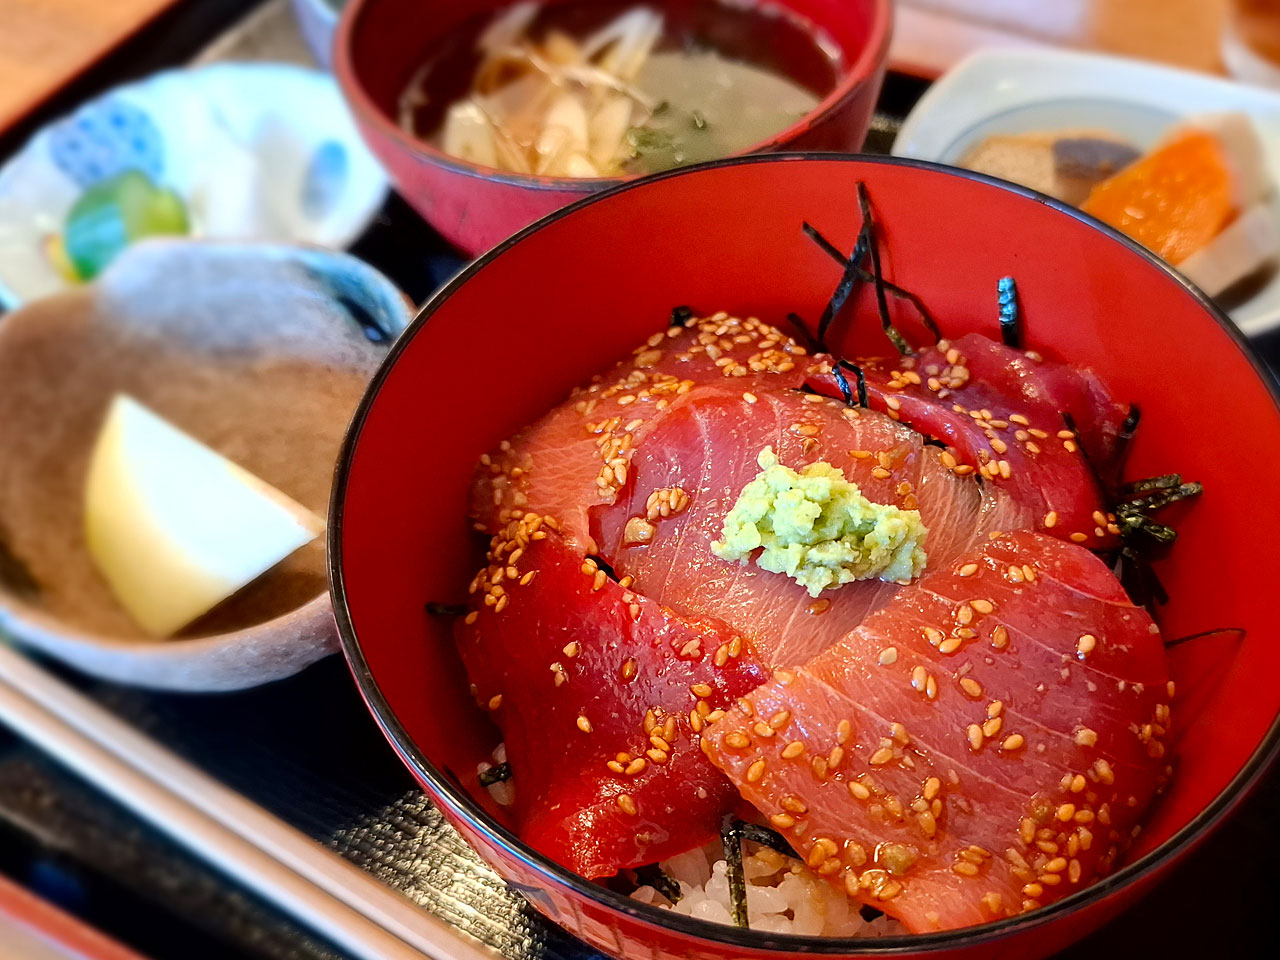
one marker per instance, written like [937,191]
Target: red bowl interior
[519,328]
[379,44]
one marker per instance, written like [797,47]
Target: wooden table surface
[44,44]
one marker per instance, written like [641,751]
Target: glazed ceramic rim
[446,793]
[862,70]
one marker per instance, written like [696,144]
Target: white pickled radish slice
[609,129]
[468,134]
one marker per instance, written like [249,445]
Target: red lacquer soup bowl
[380,44]
[511,335]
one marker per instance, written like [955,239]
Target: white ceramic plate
[1016,91]
[258,151]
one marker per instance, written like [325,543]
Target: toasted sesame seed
[1074,871]
[982,606]
[1079,537]
[970,686]
[888,656]
[763,729]
[794,804]
[858,790]
[931,688]
[701,690]
[950,645]
[992,727]
[844,730]
[783,821]
[792,750]
[1085,737]
[471,617]
[750,397]
[627,805]
[974,733]
[998,445]
[965,868]
[881,756]
[755,771]
[1066,811]
[572,649]
[584,724]
[495,701]
[1085,645]
[737,740]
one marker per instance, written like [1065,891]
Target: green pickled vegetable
[116,212]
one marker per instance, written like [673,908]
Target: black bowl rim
[462,804]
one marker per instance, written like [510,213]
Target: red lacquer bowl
[379,45]
[513,333]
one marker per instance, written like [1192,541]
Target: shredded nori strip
[681,315]
[732,840]
[765,837]
[843,383]
[803,335]
[1123,439]
[1010,312]
[732,834]
[853,272]
[877,275]
[446,609]
[1236,633]
[1150,485]
[497,774]
[652,875]
[860,377]
[898,293]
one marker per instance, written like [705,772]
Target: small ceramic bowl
[256,152]
[260,351]
[399,533]
[380,44]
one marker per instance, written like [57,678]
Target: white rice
[783,896]
[504,791]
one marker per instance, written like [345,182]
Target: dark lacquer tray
[307,750]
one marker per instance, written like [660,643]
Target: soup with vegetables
[588,89]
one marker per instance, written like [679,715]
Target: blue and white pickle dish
[239,151]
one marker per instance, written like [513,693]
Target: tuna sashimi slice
[578,453]
[984,745]
[687,475]
[600,694]
[1001,412]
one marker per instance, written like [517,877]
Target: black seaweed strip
[860,377]
[1160,499]
[848,278]
[1139,487]
[765,837]
[1123,440]
[498,774]
[1010,312]
[732,840]
[806,338]
[446,609]
[843,383]
[652,875]
[898,292]
[680,315]
[873,246]
[1237,632]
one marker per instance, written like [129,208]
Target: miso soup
[591,89]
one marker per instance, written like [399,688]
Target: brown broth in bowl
[697,80]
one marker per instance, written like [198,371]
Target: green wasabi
[817,528]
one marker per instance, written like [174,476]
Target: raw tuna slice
[577,454]
[601,694]
[984,745]
[1002,414]
[689,471]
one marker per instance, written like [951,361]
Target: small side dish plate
[256,151]
[1016,91]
